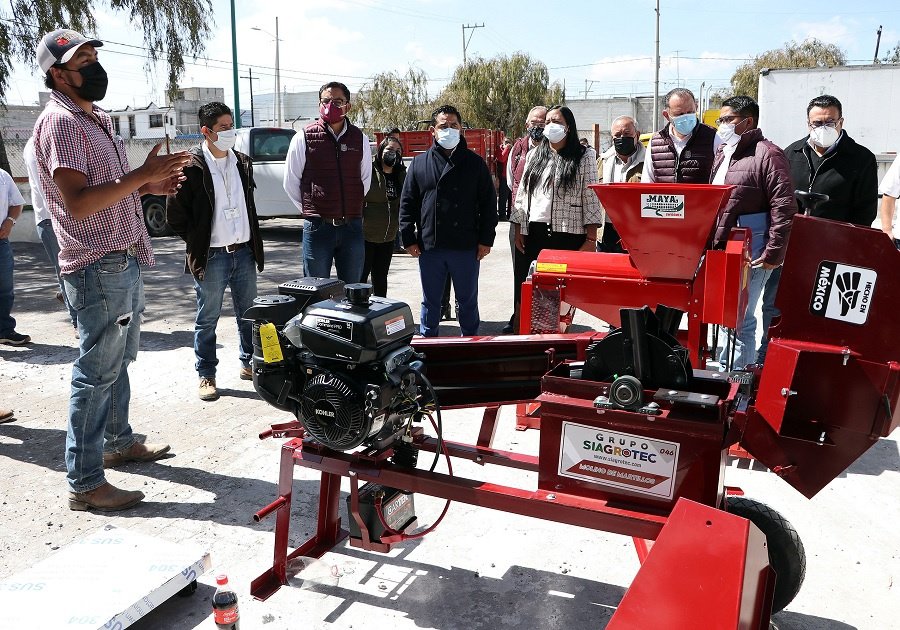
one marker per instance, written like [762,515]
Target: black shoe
[13,338]
[445,313]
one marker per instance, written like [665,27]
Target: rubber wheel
[786,554]
[155,215]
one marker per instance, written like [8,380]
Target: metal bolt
[846,353]
[352,474]
[479,459]
[551,497]
[787,392]
[672,392]
[704,396]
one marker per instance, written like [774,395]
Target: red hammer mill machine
[634,433]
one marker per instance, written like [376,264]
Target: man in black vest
[327,172]
[448,217]
[682,151]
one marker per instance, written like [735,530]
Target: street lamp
[277,72]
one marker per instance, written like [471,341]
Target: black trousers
[611,242]
[378,262]
[541,236]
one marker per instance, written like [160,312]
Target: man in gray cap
[94,200]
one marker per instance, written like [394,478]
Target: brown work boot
[106,498]
[208,389]
[246,374]
[137,452]
[6,415]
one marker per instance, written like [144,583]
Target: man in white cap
[94,201]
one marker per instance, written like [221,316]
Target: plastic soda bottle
[225,605]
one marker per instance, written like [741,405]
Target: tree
[497,93]
[811,53]
[892,55]
[170,28]
[391,100]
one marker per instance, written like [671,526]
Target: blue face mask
[448,137]
[685,123]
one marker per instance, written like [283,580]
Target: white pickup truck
[267,147]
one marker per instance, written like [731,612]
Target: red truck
[484,142]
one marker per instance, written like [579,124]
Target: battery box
[396,505]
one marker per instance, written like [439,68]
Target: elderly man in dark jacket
[762,200]
[448,218]
[214,214]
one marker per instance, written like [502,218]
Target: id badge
[231,213]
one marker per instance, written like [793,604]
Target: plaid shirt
[67,137]
[572,208]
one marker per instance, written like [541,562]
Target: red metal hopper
[665,227]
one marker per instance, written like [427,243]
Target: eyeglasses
[339,102]
[727,119]
[815,124]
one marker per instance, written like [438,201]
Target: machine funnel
[664,227]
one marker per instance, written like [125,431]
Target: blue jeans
[51,246]
[769,312]
[463,267]
[238,271]
[745,348]
[324,243]
[7,323]
[108,296]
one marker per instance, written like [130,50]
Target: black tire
[155,215]
[786,554]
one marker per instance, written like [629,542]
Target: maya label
[619,460]
[843,292]
[662,206]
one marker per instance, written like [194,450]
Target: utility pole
[234,66]
[877,44]
[656,80]
[472,28]
[252,112]
[279,105]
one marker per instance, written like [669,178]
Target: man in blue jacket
[448,217]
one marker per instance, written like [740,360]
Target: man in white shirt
[327,172]
[11,203]
[43,224]
[214,213]
[890,191]
[621,163]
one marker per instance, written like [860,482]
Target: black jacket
[848,175]
[448,202]
[189,212]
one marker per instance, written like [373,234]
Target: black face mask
[389,158]
[536,133]
[625,145]
[93,82]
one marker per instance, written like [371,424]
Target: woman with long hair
[554,209]
[381,212]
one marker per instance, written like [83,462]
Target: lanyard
[223,172]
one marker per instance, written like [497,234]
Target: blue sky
[586,44]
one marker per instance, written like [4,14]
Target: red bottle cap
[221,579]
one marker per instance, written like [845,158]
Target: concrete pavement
[480,569]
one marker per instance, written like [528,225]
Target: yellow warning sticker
[551,267]
[271,347]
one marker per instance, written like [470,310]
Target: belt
[131,250]
[231,248]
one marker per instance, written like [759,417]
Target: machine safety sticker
[620,460]
[545,267]
[843,292]
[662,206]
[394,325]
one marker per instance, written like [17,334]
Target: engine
[338,358]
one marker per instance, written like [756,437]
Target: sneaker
[15,339]
[246,373]
[208,389]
